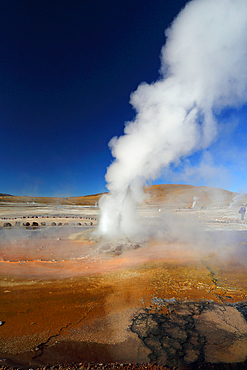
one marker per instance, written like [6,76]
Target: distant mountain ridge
[168,195]
[177,195]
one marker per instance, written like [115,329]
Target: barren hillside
[170,195]
[185,195]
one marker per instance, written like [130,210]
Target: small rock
[191,355]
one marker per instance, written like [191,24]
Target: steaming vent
[203,71]
[195,201]
[236,200]
[117,247]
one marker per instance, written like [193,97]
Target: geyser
[203,70]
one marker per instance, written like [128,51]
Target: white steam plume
[236,200]
[203,70]
[195,201]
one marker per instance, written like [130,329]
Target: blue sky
[67,69]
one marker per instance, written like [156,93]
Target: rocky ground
[97,366]
[194,332]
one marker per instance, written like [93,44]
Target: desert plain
[175,296]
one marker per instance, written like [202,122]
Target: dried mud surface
[66,298]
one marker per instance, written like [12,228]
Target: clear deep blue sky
[67,69]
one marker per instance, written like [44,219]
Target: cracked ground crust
[94,313]
[193,332]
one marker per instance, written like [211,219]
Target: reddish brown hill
[167,194]
[85,200]
[183,195]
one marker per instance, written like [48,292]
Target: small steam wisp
[236,200]
[195,201]
[203,70]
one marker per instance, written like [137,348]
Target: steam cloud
[203,70]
